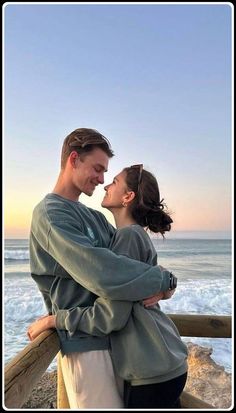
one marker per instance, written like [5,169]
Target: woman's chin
[104,204]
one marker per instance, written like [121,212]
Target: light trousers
[90,381]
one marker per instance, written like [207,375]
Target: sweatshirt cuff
[61,319]
[166,280]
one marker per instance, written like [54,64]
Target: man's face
[90,172]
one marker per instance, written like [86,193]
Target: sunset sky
[155,79]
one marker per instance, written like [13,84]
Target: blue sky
[156,79]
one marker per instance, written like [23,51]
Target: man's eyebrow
[102,167]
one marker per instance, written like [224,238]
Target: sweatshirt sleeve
[100,319]
[97,269]
[105,315]
[101,271]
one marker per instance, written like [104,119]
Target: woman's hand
[41,324]
[154,299]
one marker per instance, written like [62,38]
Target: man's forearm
[107,274]
[98,269]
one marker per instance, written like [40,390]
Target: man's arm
[96,269]
[102,271]
[105,315]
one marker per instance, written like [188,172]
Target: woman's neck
[122,218]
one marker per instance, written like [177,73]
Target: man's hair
[83,141]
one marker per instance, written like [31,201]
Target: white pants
[90,381]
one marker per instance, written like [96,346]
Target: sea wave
[12,255]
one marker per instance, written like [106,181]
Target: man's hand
[37,327]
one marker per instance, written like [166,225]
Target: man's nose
[101,178]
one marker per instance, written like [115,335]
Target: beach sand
[206,380]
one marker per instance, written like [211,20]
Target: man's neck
[66,189]
[65,194]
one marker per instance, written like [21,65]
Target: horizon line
[225,234]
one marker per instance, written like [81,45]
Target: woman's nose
[106,187]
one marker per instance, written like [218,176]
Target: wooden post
[24,371]
[187,400]
[62,399]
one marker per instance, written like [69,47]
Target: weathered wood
[199,325]
[24,371]
[187,400]
[62,399]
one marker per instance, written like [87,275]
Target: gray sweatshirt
[145,344]
[72,265]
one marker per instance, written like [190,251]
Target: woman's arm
[100,319]
[97,320]
[41,324]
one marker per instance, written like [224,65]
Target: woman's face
[115,192]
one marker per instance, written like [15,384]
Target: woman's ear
[128,197]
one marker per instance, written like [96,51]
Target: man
[71,264]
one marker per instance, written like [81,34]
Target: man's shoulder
[53,206]
[50,201]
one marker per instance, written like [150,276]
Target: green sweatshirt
[72,265]
[145,344]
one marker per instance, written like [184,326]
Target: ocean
[203,268]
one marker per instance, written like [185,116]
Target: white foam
[20,254]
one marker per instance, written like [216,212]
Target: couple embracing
[102,285]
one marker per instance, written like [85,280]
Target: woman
[146,349]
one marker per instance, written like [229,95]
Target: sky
[154,78]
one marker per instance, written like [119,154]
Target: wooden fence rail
[199,325]
[24,371]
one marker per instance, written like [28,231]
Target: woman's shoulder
[134,230]
[134,242]
[133,233]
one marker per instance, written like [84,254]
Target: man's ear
[73,158]
[128,198]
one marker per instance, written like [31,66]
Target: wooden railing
[23,372]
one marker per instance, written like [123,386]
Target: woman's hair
[147,209]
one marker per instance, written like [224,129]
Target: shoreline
[206,380]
